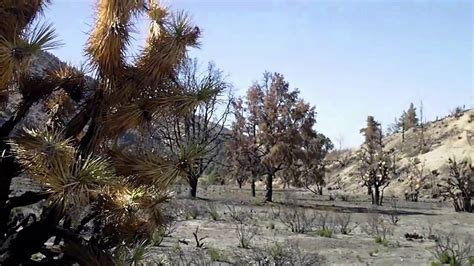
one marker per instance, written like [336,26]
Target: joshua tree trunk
[19,246]
[252,185]
[269,188]
[467,204]
[320,190]
[8,170]
[193,182]
[8,167]
[376,199]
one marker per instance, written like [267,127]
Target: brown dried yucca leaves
[16,53]
[108,42]
[70,79]
[166,45]
[18,14]
[132,213]
[159,171]
[72,179]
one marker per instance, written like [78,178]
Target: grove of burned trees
[271,131]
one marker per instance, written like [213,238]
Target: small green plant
[325,233]
[213,212]
[158,236]
[257,201]
[192,211]
[215,254]
[278,252]
[381,240]
[176,247]
[137,255]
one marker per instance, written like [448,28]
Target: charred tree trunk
[8,167]
[193,182]
[239,182]
[8,170]
[269,188]
[252,187]
[21,112]
[320,190]
[376,196]
[19,246]
[403,132]
[467,204]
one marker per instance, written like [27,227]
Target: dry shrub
[343,223]
[246,232]
[180,257]
[459,186]
[285,254]
[245,228]
[191,209]
[452,251]
[297,219]
[393,215]
[377,227]
[211,208]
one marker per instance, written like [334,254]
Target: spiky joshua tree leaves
[98,195]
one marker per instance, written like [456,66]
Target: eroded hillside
[449,137]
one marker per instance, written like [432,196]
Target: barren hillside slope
[445,138]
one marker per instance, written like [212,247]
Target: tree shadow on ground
[354,209]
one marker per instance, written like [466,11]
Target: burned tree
[313,163]
[416,178]
[377,165]
[459,185]
[274,121]
[202,128]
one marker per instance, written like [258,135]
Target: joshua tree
[459,186]
[87,179]
[416,179]
[377,166]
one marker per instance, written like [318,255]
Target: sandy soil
[355,248]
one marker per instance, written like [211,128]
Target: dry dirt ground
[359,247]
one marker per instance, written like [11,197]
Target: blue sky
[348,58]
